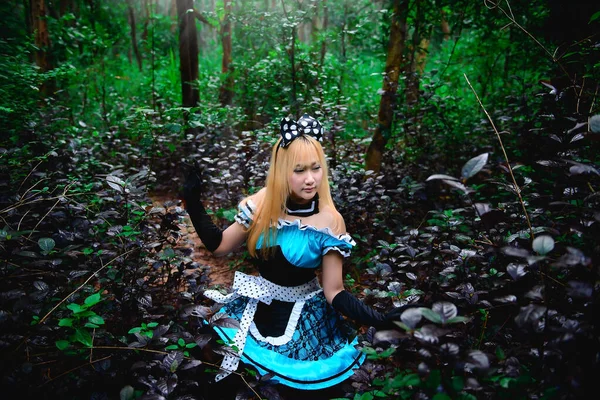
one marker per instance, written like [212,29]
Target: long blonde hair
[271,205]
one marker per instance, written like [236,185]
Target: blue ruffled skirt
[314,355]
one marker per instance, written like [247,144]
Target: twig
[501,326]
[24,275]
[66,189]
[489,242]
[26,202]
[11,263]
[21,220]
[82,285]
[44,363]
[517,188]
[483,329]
[92,346]
[423,220]
[74,369]
[187,358]
[593,101]
[31,188]
[249,387]
[579,95]
[551,278]
[31,172]
[511,18]
[43,218]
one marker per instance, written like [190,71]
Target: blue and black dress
[287,328]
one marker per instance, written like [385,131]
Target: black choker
[302,210]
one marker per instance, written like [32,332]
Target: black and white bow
[306,125]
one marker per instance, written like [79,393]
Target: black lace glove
[208,232]
[355,309]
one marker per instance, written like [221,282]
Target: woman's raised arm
[232,238]
[219,242]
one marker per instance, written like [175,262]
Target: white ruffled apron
[256,288]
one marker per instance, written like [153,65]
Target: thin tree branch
[64,193]
[512,19]
[82,285]
[74,369]
[202,18]
[517,188]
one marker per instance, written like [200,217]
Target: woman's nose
[309,177]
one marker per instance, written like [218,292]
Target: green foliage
[80,322]
[374,354]
[182,346]
[20,83]
[144,329]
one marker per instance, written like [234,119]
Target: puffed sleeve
[341,243]
[245,213]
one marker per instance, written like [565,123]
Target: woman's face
[305,180]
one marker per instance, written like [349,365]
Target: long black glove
[355,309]
[208,232]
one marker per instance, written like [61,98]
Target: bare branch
[518,189]
[202,18]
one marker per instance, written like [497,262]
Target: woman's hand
[208,232]
[395,314]
[192,186]
[219,242]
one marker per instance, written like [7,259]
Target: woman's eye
[298,171]
[316,167]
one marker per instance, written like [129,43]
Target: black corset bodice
[280,271]
[271,319]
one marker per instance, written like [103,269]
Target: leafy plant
[81,321]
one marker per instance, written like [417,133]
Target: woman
[290,325]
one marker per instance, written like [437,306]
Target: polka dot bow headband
[306,125]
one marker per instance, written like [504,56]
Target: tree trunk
[213,32]
[39,26]
[188,53]
[315,23]
[134,44]
[421,59]
[226,90]
[294,103]
[416,69]
[324,29]
[387,104]
[445,26]
[418,56]
[292,53]
[64,7]
[343,49]
[28,23]
[173,15]
[146,20]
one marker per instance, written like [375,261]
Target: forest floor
[219,270]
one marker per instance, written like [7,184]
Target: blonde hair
[271,203]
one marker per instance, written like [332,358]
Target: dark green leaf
[46,244]
[62,344]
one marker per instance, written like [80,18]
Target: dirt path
[219,269]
